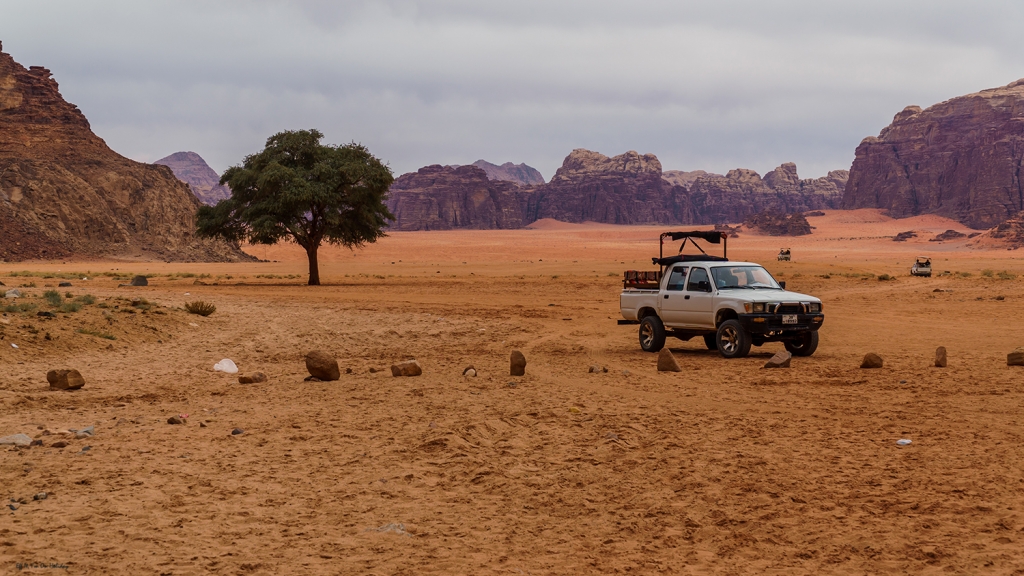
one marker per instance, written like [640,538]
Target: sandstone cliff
[627,189]
[777,224]
[63,192]
[444,197]
[191,169]
[960,159]
[509,172]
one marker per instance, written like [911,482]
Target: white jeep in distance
[732,305]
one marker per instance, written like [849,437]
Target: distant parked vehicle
[922,267]
[784,255]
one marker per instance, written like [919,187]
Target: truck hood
[763,295]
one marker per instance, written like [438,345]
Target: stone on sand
[13,293]
[667,362]
[871,360]
[253,378]
[322,366]
[407,368]
[469,371]
[517,364]
[65,379]
[1015,358]
[16,440]
[940,357]
[140,281]
[780,360]
[597,369]
[175,420]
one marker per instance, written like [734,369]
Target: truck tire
[711,341]
[803,345]
[733,341]
[652,334]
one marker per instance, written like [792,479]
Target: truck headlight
[814,308]
[755,307]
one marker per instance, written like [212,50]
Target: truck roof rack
[712,236]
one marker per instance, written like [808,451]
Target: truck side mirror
[782,284]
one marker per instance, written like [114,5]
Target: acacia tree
[301,189]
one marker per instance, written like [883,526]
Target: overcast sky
[710,85]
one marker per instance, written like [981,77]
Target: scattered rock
[45,314]
[237,431]
[595,369]
[202,424]
[59,444]
[780,360]
[13,506]
[348,370]
[36,443]
[940,357]
[12,293]
[903,442]
[84,432]
[626,372]
[667,362]
[64,285]
[140,281]
[175,420]
[65,379]
[407,368]
[40,496]
[512,384]
[254,378]
[904,236]
[16,440]
[469,371]
[948,235]
[517,364]
[871,360]
[1015,358]
[322,366]
[373,370]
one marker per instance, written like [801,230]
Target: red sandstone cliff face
[442,197]
[191,169]
[509,172]
[627,189]
[960,159]
[63,192]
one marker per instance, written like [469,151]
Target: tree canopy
[301,189]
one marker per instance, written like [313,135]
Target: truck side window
[698,281]
[677,278]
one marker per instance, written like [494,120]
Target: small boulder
[59,444]
[175,420]
[517,364]
[940,357]
[237,431]
[12,293]
[1015,358]
[407,368]
[469,371]
[64,285]
[254,378]
[667,362]
[16,440]
[780,360]
[140,281]
[871,360]
[596,369]
[65,379]
[322,366]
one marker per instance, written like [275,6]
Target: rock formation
[960,158]
[1009,232]
[191,169]
[442,197]
[778,224]
[626,189]
[64,192]
[509,172]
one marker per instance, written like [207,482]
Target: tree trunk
[314,267]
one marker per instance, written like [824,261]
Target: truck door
[671,298]
[698,307]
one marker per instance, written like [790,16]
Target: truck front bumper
[774,324]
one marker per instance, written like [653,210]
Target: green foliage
[1004,275]
[53,298]
[70,307]
[91,332]
[987,273]
[200,307]
[16,308]
[87,299]
[964,274]
[301,189]
[885,277]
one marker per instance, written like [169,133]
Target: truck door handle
[666,296]
[687,297]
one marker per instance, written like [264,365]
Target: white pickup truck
[732,305]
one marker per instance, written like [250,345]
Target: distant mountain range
[191,169]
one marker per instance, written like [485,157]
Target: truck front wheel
[733,340]
[803,345]
[652,334]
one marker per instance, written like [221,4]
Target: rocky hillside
[191,169]
[960,159]
[626,189]
[509,172]
[63,192]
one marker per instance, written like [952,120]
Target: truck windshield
[743,277]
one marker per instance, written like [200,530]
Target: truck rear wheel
[803,345]
[652,334]
[733,341]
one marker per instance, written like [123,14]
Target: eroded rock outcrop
[442,197]
[64,192]
[509,172]
[960,158]
[778,224]
[742,192]
[191,169]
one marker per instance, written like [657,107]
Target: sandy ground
[723,468]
